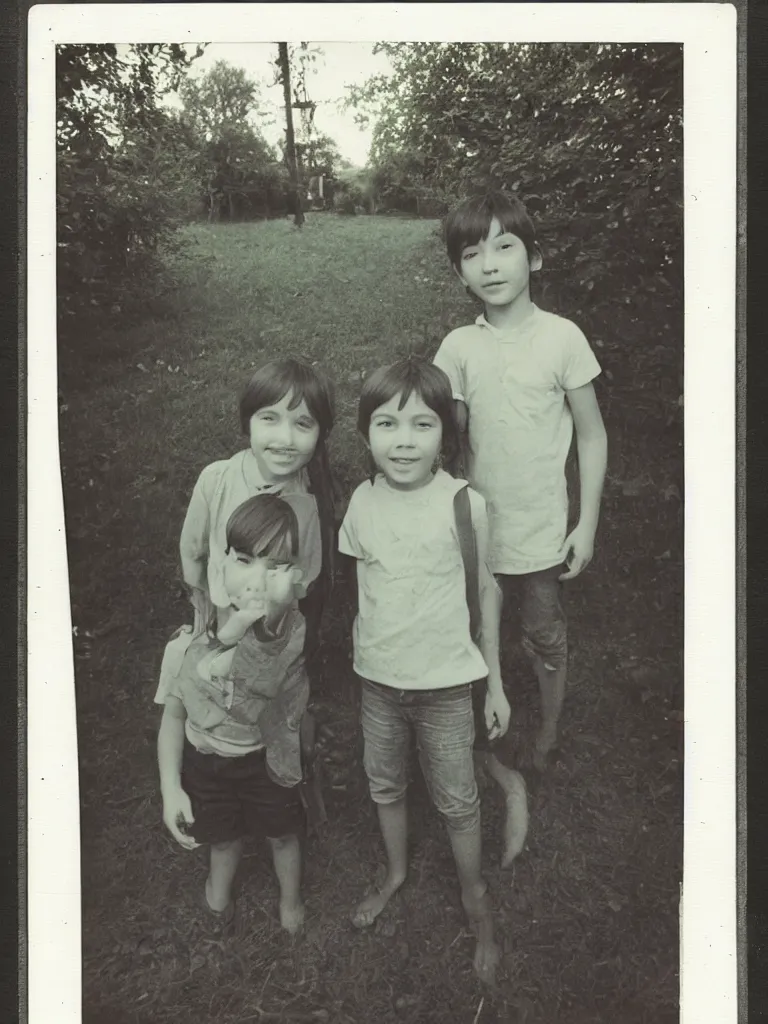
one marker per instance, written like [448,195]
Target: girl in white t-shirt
[412,645]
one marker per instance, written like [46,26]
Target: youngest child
[229,744]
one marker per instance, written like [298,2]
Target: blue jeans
[445,730]
[542,618]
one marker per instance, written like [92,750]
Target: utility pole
[290,142]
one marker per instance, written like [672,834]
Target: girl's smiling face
[405,442]
[283,440]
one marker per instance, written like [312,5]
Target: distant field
[589,914]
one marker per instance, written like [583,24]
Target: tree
[123,184]
[237,169]
[224,96]
[322,155]
[399,181]
[589,134]
[284,70]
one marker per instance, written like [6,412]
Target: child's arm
[239,622]
[449,359]
[170,743]
[272,608]
[496,703]
[592,447]
[462,415]
[462,422]
[193,551]
[232,632]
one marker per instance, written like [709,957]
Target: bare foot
[292,917]
[373,904]
[487,955]
[486,961]
[516,821]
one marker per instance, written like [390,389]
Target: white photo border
[708,34]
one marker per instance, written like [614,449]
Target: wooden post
[290,142]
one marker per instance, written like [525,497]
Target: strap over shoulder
[468,544]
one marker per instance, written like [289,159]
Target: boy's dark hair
[264,525]
[468,223]
[404,377]
[268,386]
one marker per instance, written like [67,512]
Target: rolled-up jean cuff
[465,823]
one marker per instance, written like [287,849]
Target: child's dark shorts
[234,796]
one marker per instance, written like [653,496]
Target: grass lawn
[588,917]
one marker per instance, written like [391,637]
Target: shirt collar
[502,332]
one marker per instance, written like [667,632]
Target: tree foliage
[322,155]
[240,175]
[589,134]
[224,96]
[123,181]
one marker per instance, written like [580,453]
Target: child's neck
[416,486]
[505,318]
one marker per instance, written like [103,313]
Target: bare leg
[286,856]
[545,638]
[225,858]
[516,798]
[393,821]
[552,690]
[475,900]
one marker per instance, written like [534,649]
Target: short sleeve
[170,668]
[196,531]
[349,540]
[580,365]
[448,358]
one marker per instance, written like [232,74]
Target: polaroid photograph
[381,504]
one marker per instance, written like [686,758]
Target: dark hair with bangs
[431,384]
[268,386]
[470,222]
[264,525]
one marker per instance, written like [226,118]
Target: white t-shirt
[514,383]
[412,627]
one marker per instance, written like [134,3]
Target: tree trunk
[290,142]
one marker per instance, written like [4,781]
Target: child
[522,379]
[412,646]
[228,747]
[286,412]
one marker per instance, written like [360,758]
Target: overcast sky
[339,65]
